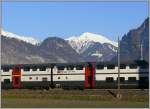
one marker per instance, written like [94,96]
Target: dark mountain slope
[52,50]
[130,45]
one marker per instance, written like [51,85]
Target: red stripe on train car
[16,76]
[86,76]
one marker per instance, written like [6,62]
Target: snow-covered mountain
[93,47]
[30,40]
[24,50]
[84,41]
[87,47]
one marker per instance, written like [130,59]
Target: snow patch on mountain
[112,48]
[23,38]
[97,54]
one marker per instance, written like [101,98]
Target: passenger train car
[75,75]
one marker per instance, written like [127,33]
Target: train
[84,75]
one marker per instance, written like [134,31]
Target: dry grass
[73,98]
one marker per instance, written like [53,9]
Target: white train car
[36,76]
[132,75]
[75,75]
[6,76]
[26,76]
[69,75]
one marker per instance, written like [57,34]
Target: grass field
[73,98]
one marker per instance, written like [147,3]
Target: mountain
[93,47]
[15,50]
[23,50]
[60,48]
[130,45]
[21,38]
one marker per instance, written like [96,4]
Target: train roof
[71,64]
[136,63]
[42,65]
[27,65]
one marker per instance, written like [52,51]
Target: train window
[122,79]
[100,66]
[70,67]
[34,69]
[143,66]
[30,78]
[133,66]
[111,67]
[109,79]
[42,69]
[26,69]
[144,80]
[79,67]
[17,69]
[36,78]
[44,79]
[6,81]
[122,66]
[132,79]
[60,67]
[66,77]
[5,69]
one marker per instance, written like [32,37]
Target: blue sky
[65,19]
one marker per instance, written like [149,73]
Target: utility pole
[118,91]
[141,46]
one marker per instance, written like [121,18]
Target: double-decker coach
[132,75]
[75,75]
[69,75]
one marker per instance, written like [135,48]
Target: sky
[65,19]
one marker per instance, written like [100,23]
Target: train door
[89,76]
[16,77]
